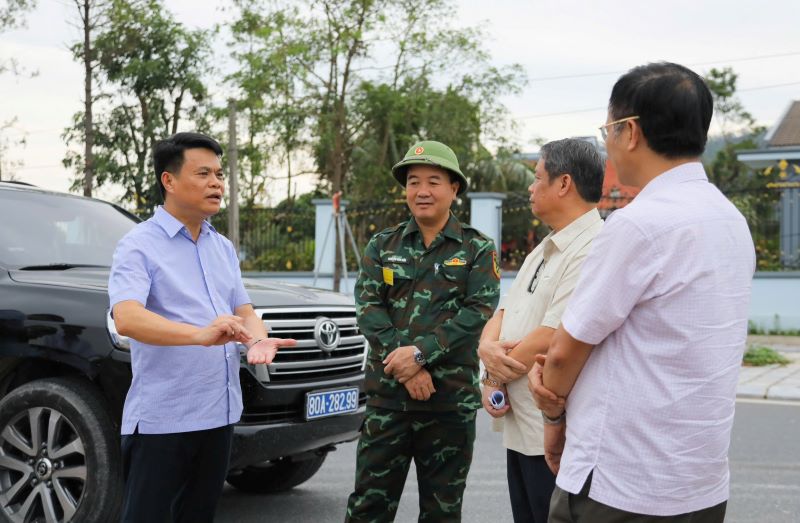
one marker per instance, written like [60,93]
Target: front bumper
[273,424]
[257,443]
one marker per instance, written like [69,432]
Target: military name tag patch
[397,259]
[455,262]
[388,276]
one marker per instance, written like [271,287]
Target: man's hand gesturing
[224,329]
[264,351]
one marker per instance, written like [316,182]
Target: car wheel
[276,476]
[59,454]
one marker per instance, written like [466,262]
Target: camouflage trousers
[440,443]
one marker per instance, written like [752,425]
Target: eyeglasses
[604,128]
[535,280]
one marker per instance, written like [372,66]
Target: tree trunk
[88,125]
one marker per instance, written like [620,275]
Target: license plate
[331,402]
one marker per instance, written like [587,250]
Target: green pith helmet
[430,153]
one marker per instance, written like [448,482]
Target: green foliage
[276,239]
[776,330]
[746,189]
[270,105]
[12,16]
[360,119]
[152,69]
[739,131]
[758,356]
[12,13]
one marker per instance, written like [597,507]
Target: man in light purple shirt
[176,291]
[651,343]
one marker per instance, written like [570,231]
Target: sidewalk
[773,382]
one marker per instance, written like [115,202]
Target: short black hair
[581,160]
[168,153]
[673,103]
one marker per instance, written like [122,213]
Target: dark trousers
[440,443]
[530,485]
[580,508]
[181,474]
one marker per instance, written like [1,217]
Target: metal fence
[283,239]
[273,239]
[772,215]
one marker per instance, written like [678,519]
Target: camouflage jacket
[437,298]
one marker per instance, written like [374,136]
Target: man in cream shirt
[564,195]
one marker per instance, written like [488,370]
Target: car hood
[263,293]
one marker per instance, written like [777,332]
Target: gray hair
[579,159]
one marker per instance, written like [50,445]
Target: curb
[773,382]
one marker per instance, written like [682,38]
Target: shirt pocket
[402,277]
[452,281]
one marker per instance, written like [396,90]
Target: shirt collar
[172,225]
[668,180]
[563,238]
[452,229]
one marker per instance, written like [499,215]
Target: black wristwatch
[419,357]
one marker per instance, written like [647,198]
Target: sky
[572,52]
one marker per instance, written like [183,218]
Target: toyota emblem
[326,334]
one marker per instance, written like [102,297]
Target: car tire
[74,474]
[276,476]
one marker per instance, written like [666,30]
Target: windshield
[39,229]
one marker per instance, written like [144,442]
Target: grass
[758,356]
[774,331]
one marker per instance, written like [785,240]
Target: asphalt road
[765,478]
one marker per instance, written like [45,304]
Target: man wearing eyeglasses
[650,346]
[568,184]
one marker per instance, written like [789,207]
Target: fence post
[486,214]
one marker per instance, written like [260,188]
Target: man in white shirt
[568,184]
[651,343]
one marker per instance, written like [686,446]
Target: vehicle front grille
[308,360]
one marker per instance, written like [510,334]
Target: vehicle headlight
[119,341]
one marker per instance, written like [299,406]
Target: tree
[8,165]
[12,16]
[739,131]
[746,189]
[153,69]
[90,14]
[267,86]
[357,112]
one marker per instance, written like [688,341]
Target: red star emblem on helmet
[419,150]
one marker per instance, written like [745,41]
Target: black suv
[64,370]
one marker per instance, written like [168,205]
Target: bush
[758,356]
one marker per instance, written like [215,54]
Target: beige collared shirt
[558,260]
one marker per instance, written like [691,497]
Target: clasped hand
[401,364]
[500,366]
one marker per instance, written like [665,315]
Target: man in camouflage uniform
[427,287]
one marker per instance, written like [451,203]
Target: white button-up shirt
[556,265]
[664,297]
